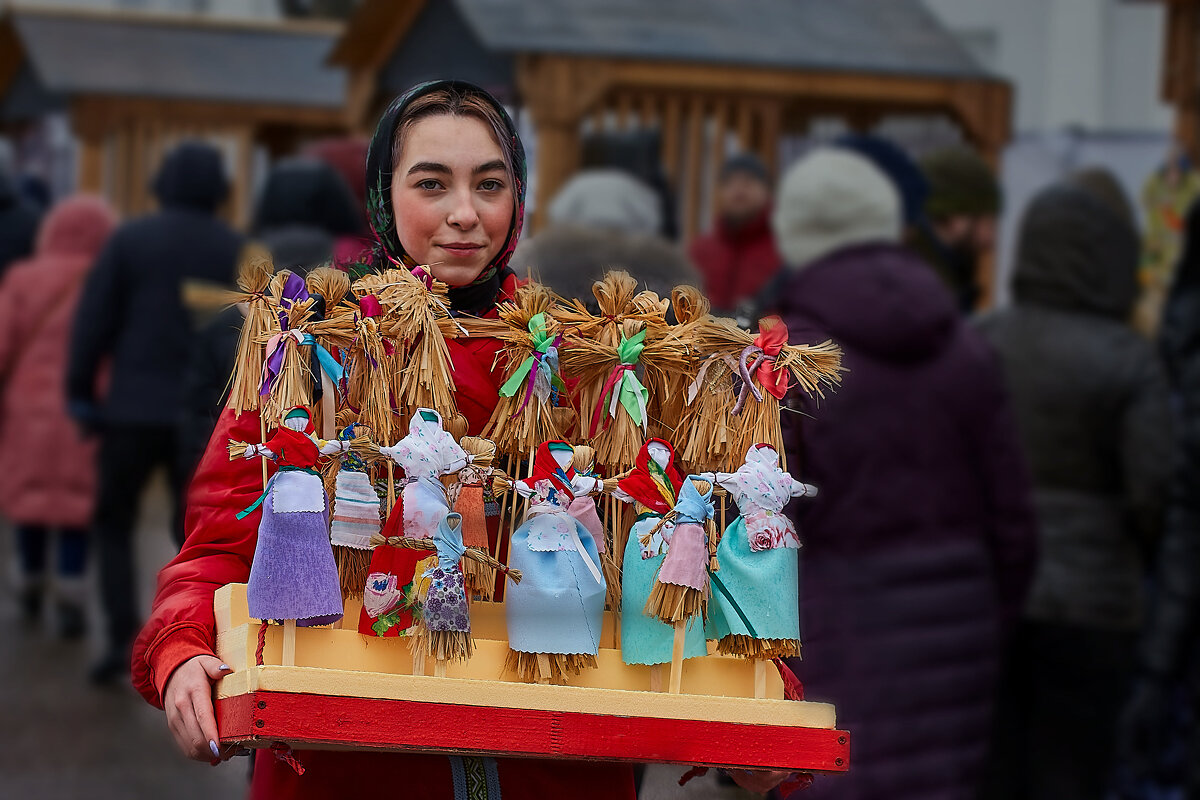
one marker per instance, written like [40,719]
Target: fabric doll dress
[754,609]
[583,508]
[445,627]
[644,639]
[480,578]
[293,575]
[681,586]
[558,607]
[356,518]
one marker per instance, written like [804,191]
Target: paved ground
[63,739]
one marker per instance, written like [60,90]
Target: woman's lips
[462,250]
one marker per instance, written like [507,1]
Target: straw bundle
[418,319]
[518,425]
[253,280]
[547,667]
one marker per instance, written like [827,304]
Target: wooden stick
[760,677]
[656,677]
[289,643]
[544,674]
[262,430]
[418,660]
[677,657]
[439,668]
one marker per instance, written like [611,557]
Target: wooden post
[760,677]
[543,662]
[695,143]
[772,116]
[262,435]
[558,158]
[439,668]
[289,643]
[418,660]
[677,658]
[656,677]
[670,137]
[745,126]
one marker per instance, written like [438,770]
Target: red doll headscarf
[294,448]
[641,485]
[545,468]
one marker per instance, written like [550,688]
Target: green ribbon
[542,341]
[630,391]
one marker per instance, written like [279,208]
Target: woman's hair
[457,103]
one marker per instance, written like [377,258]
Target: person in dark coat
[18,222]
[738,258]
[920,546]
[132,313]
[303,210]
[1168,655]
[1092,405]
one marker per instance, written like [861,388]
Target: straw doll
[426,454]
[681,588]
[556,613]
[439,596]
[652,487]
[356,514]
[754,611]
[765,365]
[583,507]
[293,575]
[475,496]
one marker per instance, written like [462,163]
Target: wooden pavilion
[135,84]
[707,76]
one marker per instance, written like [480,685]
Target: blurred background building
[93,91]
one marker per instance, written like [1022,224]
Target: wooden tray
[345,690]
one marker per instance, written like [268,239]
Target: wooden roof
[862,36]
[66,54]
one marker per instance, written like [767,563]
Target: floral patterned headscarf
[379,186]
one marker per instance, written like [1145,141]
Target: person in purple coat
[920,547]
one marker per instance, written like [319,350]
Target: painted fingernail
[225,668]
[216,751]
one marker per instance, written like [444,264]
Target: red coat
[47,469]
[219,549]
[736,263]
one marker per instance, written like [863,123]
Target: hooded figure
[923,530]
[1091,401]
[131,313]
[55,489]
[18,222]
[304,208]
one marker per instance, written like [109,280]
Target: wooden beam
[695,155]
[768,144]
[374,32]
[197,113]
[716,159]
[670,136]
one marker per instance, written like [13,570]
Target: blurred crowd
[999,576]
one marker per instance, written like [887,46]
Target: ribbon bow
[760,357]
[539,371]
[294,292]
[273,362]
[623,386]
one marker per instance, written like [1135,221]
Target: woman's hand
[187,699]
[756,780]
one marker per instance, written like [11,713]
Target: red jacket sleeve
[218,550]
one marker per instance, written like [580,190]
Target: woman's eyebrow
[490,166]
[429,166]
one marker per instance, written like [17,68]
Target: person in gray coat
[1092,404]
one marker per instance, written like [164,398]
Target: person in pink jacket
[47,473]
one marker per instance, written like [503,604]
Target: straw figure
[293,575]
[555,615]
[754,611]
[652,488]
[475,495]
[439,596]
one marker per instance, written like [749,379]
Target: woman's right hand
[187,699]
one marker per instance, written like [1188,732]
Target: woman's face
[452,197]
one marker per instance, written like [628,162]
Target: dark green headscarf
[379,197]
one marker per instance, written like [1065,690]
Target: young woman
[446,187]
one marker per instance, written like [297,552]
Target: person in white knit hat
[919,549]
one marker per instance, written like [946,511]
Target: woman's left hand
[757,780]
